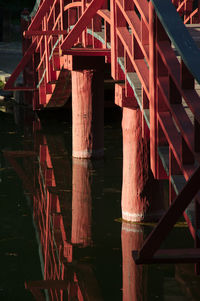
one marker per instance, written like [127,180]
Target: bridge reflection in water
[74,207]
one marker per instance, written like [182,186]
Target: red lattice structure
[156,66]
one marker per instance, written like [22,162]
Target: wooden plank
[30,33]
[179,35]
[87,52]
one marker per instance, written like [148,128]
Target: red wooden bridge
[155,64]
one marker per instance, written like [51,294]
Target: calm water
[60,231]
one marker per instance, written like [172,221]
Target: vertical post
[135,167]
[84,33]
[152,85]
[113,40]
[81,202]
[46,38]
[142,197]
[87,113]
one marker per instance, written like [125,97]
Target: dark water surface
[59,229]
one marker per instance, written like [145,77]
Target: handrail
[179,35]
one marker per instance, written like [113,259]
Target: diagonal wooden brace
[157,236]
[10,83]
[81,24]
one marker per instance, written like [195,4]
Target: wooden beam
[152,90]
[87,52]
[10,83]
[31,33]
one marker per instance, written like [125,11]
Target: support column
[81,203]
[87,113]
[142,195]
[135,167]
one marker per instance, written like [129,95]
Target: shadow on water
[59,236]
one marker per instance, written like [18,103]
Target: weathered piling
[87,113]
[135,167]
[142,195]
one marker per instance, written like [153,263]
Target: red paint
[135,167]
[142,195]
[87,114]
[153,97]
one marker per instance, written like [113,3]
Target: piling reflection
[134,276]
[62,218]
[81,202]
